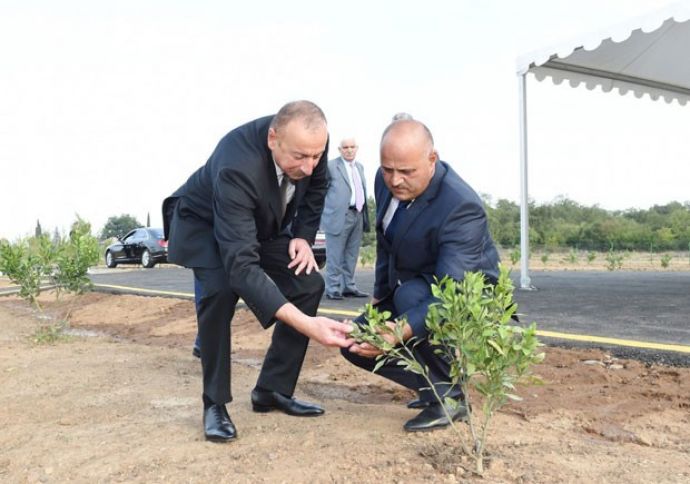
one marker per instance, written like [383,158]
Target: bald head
[408,159]
[408,131]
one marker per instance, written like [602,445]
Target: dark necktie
[284,183]
[395,221]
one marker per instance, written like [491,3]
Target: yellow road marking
[147,291]
[615,341]
[340,312]
[7,290]
[549,334]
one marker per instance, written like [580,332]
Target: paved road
[612,309]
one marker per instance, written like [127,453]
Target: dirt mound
[120,401]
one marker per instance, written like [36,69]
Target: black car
[319,249]
[143,246]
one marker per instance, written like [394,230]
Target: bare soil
[119,401]
[562,260]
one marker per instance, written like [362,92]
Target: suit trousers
[406,296]
[216,308]
[342,251]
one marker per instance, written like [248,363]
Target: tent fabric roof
[647,55]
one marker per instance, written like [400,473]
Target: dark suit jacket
[444,232]
[220,216]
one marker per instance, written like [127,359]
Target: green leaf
[496,347]
[379,364]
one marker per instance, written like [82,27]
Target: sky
[107,107]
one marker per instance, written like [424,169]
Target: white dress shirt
[291,187]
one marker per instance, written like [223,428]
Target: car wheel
[146,259]
[109,260]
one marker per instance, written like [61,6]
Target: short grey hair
[311,114]
[402,116]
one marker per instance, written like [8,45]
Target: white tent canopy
[648,55]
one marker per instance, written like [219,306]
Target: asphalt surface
[642,315]
[645,315]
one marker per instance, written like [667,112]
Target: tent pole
[525,282]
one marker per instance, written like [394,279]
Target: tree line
[563,223]
[566,223]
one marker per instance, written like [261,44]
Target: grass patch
[50,333]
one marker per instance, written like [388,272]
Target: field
[580,261]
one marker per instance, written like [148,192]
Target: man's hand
[326,331]
[368,350]
[330,332]
[302,257]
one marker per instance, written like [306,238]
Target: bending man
[244,222]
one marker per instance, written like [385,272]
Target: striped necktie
[284,183]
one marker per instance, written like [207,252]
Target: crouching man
[429,224]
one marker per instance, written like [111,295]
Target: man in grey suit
[344,220]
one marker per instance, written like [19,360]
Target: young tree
[34,261]
[470,326]
[74,257]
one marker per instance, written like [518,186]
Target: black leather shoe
[217,424]
[434,417]
[196,351]
[418,403]
[335,296]
[265,401]
[355,293]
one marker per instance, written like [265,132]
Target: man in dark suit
[344,220]
[244,222]
[429,224]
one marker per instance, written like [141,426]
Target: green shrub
[572,256]
[614,260]
[27,263]
[515,256]
[74,257]
[50,333]
[470,326]
[367,255]
[35,260]
[665,260]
